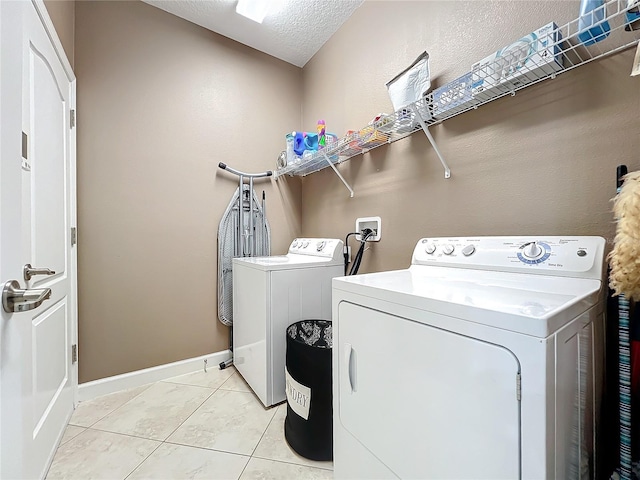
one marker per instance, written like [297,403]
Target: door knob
[29,271]
[16,299]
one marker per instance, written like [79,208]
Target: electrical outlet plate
[374,223]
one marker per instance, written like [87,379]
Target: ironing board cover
[228,247]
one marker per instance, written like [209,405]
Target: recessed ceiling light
[254,10]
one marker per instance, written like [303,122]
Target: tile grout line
[169,380]
[143,460]
[200,447]
[244,468]
[123,434]
[296,464]
[275,411]
[208,449]
[233,390]
[87,429]
[149,385]
[84,429]
[147,438]
[282,461]
[191,414]
[187,384]
[160,442]
[166,442]
[92,426]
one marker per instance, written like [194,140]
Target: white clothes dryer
[269,294]
[482,360]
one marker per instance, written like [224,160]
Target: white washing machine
[269,294]
[477,362]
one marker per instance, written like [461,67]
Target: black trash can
[308,427]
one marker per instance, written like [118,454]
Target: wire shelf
[526,62]
[386,129]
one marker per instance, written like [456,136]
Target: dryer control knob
[468,250]
[448,249]
[305,244]
[320,245]
[532,250]
[295,243]
[430,248]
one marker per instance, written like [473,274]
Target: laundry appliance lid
[536,305]
[286,262]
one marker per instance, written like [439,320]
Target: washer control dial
[430,248]
[320,245]
[534,252]
[305,244]
[448,249]
[468,250]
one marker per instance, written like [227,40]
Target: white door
[37,200]
[427,403]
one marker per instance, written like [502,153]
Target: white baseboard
[104,386]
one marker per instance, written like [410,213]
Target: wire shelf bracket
[346,184]
[320,158]
[425,129]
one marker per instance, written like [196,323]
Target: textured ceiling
[294,31]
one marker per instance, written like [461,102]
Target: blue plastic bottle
[298,143]
[311,141]
[592,25]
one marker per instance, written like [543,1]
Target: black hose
[366,233]
[357,259]
[346,252]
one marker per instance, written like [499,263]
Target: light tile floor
[201,425]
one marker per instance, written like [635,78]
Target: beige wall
[62,13]
[540,163]
[161,102]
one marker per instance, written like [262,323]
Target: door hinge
[74,236]
[74,353]
[72,119]
[519,386]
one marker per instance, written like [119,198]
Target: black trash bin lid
[315,333]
